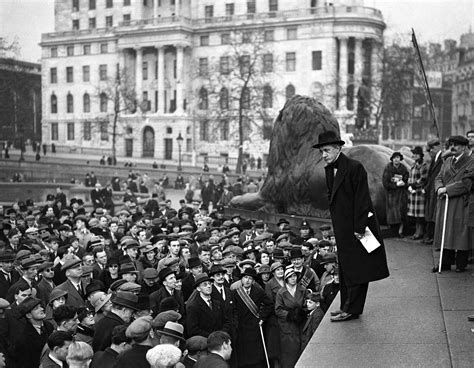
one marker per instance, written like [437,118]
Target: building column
[155,9]
[122,58]
[375,78]
[139,73]
[343,60]
[176,8]
[161,79]
[335,73]
[179,77]
[358,67]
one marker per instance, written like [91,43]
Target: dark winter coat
[272,328]
[202,320]
[396,196]
[431,198]
[103,331]
[350,204]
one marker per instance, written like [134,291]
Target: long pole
[263,342]
[443,233]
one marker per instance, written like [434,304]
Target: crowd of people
[152,283]
[423,192]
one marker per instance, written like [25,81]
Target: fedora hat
[249,272]
[165,272]
[216,269]
[458,140]
[173,329]
[202,277]
[125,299]
[327,138]
[194,262]
[7,256]
[329,258]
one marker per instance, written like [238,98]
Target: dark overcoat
[350,204]
[104,359]
[43,290]
[5,284]
[201,320]
[396,196]
[272,329]
[157,296]
[458,178]
[290,331]
[103,331]
[134,357]
[249,346]
[74,299]
[310,326]
[28,345]
[431,197]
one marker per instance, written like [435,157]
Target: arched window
[203,100]
[70,103]
[86,103]
[54,104]
[290,91]
[224,99]
[103,102]
[246,98]
[267,97]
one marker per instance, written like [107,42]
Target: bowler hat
[194,262]
[278,254]
[458,140]
[249,272]
[173,329]
[327,138]
[125,299]
[296,253]
[282,221]
[7,255]
[164,273]
[395,154]
[202,277]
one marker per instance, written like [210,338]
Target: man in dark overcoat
[434,149]
[352,212]
[249,350]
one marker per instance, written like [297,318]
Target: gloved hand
[291,315]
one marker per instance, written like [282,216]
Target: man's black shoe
[336,313]
[344,317]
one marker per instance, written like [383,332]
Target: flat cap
[139,328]
[196,343]
[71,263]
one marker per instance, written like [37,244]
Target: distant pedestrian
[416,198]
[53,148]
[37,156]
[45,149]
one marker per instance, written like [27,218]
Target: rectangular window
[103,102]
[69,74]
[75,24]
[109,4]
[103,72]
[109,21]
[70,51]
[244,63]
[75,5]
[54,131]
[224,65]
[268,63]
[225,38]
[54,52]
[291,33]
[204,130]
[273,5]
[269,35]
[251,8]
[91,23]
[208,13]
[70,131]
[87,131]
[53,73]
[104,130]
[224,128]
[204,40]
[203,66]
[91,4]
[104,47]
[146,101]
[87,49]
[229,10]
[126,19]
[86,73]
[126,2]
[290,61]
[145,70]
[317,60]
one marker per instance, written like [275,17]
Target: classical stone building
[20,102]
[318,48]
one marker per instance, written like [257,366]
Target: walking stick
[443,233]
[263,342]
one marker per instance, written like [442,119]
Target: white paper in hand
[369,241]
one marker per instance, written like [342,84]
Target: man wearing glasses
[46,284]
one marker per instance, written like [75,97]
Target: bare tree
[236,86]
[9,48]
[120,91]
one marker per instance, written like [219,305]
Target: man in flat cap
[454,185]
[352,213]
[141,333]
[434,149]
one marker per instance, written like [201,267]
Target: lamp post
[180,142]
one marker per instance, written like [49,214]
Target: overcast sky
[432,20]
